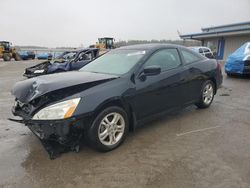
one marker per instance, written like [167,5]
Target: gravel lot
[190,148]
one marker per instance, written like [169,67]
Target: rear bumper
[219,80]
[240,68]
[246,69]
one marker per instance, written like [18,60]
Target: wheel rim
[208,94]
[111,129]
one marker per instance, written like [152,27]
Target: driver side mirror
[150,71]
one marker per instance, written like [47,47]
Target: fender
[121,102]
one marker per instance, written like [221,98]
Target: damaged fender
[27,90]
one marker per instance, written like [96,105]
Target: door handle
[183,80]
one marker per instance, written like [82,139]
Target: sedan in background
[47,56]
[26,55]
[205,51]
[115,93]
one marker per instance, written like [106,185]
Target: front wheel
[207,94]
[17,57]
[109,129]
[6,57]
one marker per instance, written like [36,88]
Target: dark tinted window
[189,57]
[166,59]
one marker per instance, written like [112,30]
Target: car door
[194,76]
[160,92]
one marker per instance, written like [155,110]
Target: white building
[223,39]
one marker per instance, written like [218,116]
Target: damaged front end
[49,105]
[57,136]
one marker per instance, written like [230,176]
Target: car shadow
[239,76]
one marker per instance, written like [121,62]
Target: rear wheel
[207,94]
[109,129]
[17,57]
[6,57]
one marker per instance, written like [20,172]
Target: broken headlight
[61,110]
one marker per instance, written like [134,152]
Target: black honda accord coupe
[115,93]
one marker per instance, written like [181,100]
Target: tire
[99,136]
[207,94]
[17,57]
[6,57]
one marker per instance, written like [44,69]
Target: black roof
[106,38]
[150,46]
[81,50]
[86,49]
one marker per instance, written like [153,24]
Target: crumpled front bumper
[57,136]
[59,130]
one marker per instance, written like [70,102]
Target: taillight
[219,66]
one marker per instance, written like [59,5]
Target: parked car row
[48,56]
[113,94]
[27,55]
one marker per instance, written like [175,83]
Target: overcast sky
[74,22]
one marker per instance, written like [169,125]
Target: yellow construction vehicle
[7,52]
[104,43]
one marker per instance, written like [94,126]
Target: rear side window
[189,57]
[206,50]
[166,59]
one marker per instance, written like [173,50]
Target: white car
[205,51]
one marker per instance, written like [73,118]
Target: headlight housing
[61,110]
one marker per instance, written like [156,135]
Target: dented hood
[27,90]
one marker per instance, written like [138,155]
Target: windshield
[115,62]
[67,55]
[247,50]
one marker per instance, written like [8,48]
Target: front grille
[22,108]
[27,109]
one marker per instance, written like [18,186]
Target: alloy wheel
[208,94]
[111,129]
